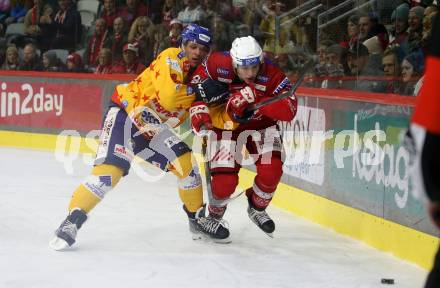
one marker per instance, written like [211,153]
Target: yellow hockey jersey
[160,87]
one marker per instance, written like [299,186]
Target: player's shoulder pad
[275,77]
[172,52]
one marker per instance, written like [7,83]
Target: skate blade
[58,244]
[269,234]
[222,241]
[206,238]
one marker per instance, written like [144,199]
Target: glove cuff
[197,108]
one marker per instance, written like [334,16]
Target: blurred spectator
[333,66]
[51,62]
[155,10]
[225,10]
[267,28]
[95,43]
[380,31]
[30,61]
[415,19]
[39,33]
[142,32]
[12,60]
[364,27]
[160,32]
[391,61]
[173,39]
[67,26]
[5,7]
[320,68]
[109,13]
[352,31]
[250,17]
[415,30]
[357,61]
[192,13]
[170,11]
[412,71]
[117,40]
[104,62]
[18,11]
[428,20]
[375,50]
[283,61]
[74,63]
[429,10]
[399,32]
[131,63]
[132,10]
[209,7]
[2,50]
[220,35]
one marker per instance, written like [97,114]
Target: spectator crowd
[379,47]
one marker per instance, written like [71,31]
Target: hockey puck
[387,281]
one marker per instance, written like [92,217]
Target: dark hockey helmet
[198,34]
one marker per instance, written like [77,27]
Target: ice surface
[138,237]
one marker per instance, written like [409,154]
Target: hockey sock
[216,211]
[265,183]
[190,183]
[104,177]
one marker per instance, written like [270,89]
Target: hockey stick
[211,199]
[249,111]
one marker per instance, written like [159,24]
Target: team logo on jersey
[192,181]
[106,180]
[223,71]
[124,103]
[148,117]
[263,79]
[260,87]
[163,113]
[98,185]
[171,141]
[174,64]
[107,128]
[282,85]
[121,152]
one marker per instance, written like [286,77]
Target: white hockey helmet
[246,51]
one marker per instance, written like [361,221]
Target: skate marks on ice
[138,237]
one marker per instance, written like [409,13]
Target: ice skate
[65,235]
[261,219]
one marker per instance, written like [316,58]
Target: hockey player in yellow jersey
[139,123]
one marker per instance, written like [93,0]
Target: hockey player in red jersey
[226,85]
[423,139]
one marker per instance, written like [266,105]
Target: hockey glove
[200,119]
[211,91]
[239,101]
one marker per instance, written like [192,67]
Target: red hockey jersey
[270,81]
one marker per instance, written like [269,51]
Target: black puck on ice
[387,281]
